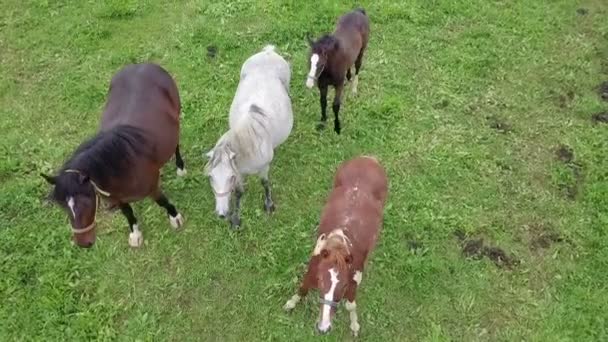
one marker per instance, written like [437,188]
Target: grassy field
[481,112]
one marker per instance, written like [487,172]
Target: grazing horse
[332,56]
[348,230]
[138,134]
[260,120]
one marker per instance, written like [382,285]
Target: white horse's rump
[260,120]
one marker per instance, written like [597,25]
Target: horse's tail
[360,9]
[268,48]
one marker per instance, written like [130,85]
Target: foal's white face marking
[325,322]
[310,80]
[72,205]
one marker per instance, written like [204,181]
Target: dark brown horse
[332,56]
[348,230]
[138,134]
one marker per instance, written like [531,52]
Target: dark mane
[107,155]
[324,44]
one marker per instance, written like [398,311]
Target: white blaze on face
[325,323]
[310,80]
[72,205]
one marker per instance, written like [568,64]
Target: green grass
[438,75]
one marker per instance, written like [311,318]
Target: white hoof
[355,327]
[136,239]
[181,172]
[177,221]
[291,303]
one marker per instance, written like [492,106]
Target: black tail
[360,9]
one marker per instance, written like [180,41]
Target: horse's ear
[324,253]
[209,154]
[50,179]
[231,154]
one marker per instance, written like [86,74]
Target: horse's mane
[246,137]
[107,155]
[326,43]
[338,251]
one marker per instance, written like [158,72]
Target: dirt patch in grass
[542,236]
[564,100]
[601,117]
[565,154]
[211,51]
[477,249]
[603,90]
[582,11]
[500,125]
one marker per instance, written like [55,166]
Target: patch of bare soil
[600,117]
[211,51]
[542,236]
[564,100]
[500,125]
[603,90]
[582,11]
[477,249]
[565,154]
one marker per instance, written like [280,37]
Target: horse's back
[366,173]
[353,30]
[145,96]
[264,83]
[356,202]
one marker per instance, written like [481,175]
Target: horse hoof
[235,222]
[177,221]
[136,239]
[181,172]
[269,207]
[354,327]
[320,126]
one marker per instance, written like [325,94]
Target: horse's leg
[351,305]
[235,218]
[357,68]
[268,202]
[179,162]
[176,219]
[336,107]
[136,239]
[307,283]
[323,86]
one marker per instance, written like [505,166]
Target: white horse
[260,120]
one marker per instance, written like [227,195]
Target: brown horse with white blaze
[332,57]
[138,134]
[350,224]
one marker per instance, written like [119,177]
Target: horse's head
[76,194]
[223,177]
[320,52]
[333,276]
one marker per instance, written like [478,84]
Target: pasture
[481,112]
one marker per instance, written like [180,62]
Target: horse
[347,233]
[260,120]
[137,135]
[331,58]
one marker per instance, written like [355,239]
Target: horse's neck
[249,141]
